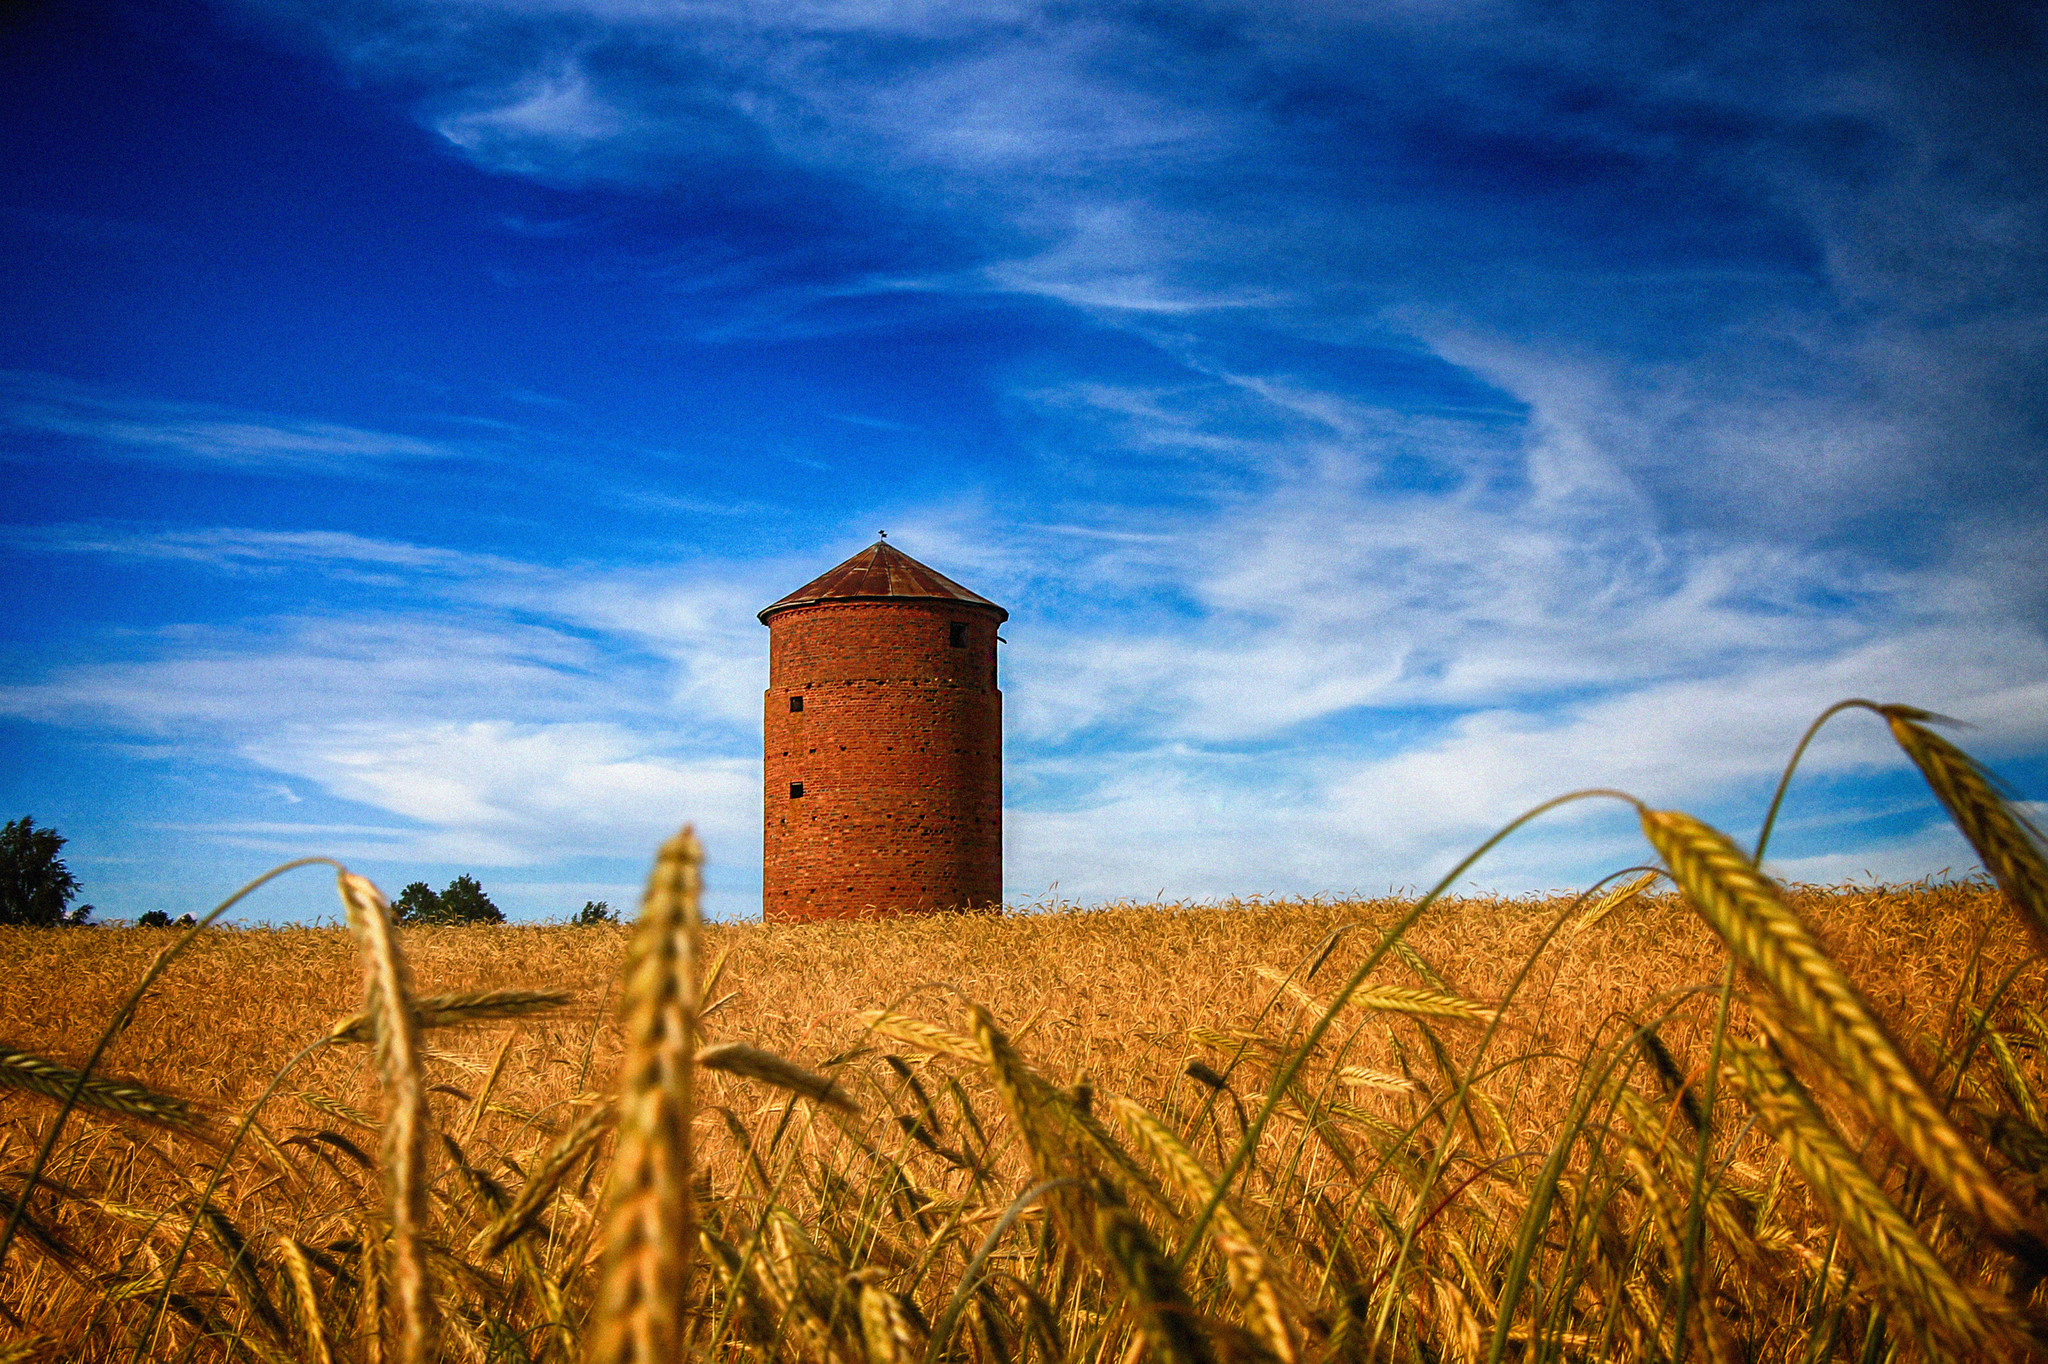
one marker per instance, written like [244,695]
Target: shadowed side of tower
[883,735]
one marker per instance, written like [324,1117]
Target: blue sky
[1376,417]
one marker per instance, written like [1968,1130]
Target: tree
[417,904]
[463,902]
[35,886]
[595,912]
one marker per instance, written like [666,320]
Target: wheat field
[1688,1113]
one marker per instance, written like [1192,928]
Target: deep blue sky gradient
[1376,419]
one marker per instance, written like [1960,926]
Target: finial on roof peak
[884,534]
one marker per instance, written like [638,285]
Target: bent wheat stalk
[1745,908]
[1251,1276]
[447,1011]
[555,1167]
[1890,1244]
[2009,844]
[737,1058]
[126,1098]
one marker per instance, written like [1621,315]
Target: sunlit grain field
[1690,1115]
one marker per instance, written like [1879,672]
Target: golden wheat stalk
[370,1299]
[1024,1092]
[1892,1248]
[334,1108]
[737,1058]
[1613,900]
[1251,1276]
[2006,840]
[922,1035]
[547,1177]
[1364,1077]
[388,999]
[1073,1113]
[1745,908]
[1390,999]
[647,1220]
[125,1098]
[448,1011]
[886,1325]
[482,1102]
[300,1272]
[1151,1289]
[1422,1003]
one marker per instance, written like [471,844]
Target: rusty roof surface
[877,573]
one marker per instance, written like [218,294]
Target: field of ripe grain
[1108,994]
[1383,1212]
[1687,1114]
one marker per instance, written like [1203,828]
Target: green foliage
[156,918]
[595,912]
[417,904]
[36,888]
[462,902]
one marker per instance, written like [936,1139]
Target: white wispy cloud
[38,407]
[237,548]
[498,794]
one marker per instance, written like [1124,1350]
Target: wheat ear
[448,1011]
[886,1326]
[1251,1277]
[20,1070]
[737,1058]
[922,1035]
[1744,907]
[388,999]
[1889,1242]
[2009,845]
[1390,999]
[649,1237]
[1151,1287]
[1613,900]
[307,1300]
[555,1167]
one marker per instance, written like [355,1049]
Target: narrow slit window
[796,788]
[796,703]
[958,638]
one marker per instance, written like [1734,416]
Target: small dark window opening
[796,788]
[959,636]
[796,703]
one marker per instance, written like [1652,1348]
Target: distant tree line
[37,888]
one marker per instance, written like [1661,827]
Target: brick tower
[884,744]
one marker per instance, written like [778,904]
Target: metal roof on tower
[881,572]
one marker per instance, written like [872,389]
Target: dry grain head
[736,1058]
[2007,842]
[648,1215]
[388,1001]
[1747,910]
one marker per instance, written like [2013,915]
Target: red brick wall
[899,747]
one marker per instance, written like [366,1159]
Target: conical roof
[881,572]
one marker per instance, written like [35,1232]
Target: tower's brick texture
[896,745]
